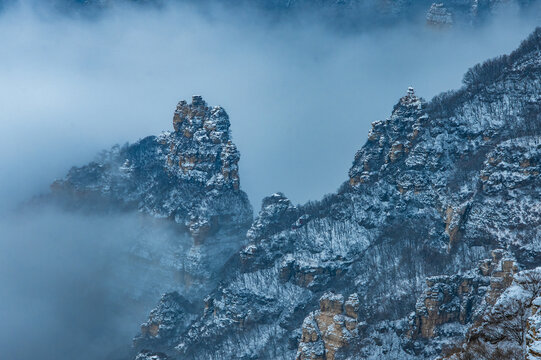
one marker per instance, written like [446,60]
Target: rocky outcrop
[506,329]
[461,298]
[516,157]
[326,331]
[387,144]
[447,299]
[166,321]
[189,175]
[184,186]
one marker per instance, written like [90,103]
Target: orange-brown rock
[328,330]
[451,298]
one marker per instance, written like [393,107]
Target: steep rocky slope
[187,177]
[441,211]
[506,327]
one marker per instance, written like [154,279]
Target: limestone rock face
[331,328]
[460,299]
[388,144]
[173,314]
[189,175]
[275,209]
[507,328]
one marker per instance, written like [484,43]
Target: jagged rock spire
[410,98]
[174,174]
[390,139]
[411,92]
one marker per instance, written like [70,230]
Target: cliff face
[440,213]
[331,328]
[506,328]
[189,175]
[188,178]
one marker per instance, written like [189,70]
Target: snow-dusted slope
[441,210]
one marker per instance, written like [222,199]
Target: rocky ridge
[436,190]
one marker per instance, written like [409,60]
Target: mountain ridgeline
[429,250]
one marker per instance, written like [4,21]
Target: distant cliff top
[343,14]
